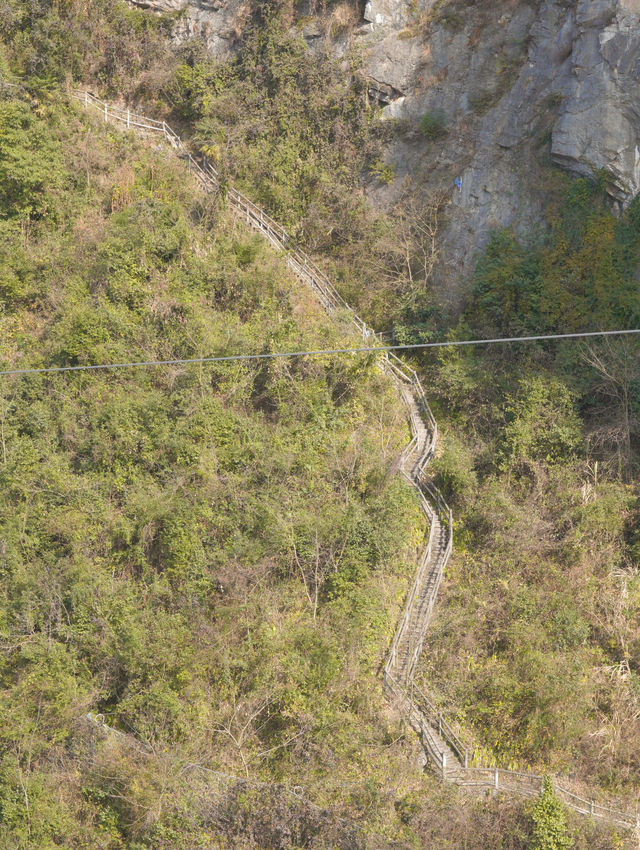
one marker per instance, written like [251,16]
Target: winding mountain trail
[443,748]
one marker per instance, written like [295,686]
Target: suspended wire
[272,355]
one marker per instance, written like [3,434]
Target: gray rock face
[217,22]
[385,12]
[509,80]
[599,122]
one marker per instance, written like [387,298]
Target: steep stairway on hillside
[442,746]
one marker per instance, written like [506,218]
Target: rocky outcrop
[516,83]
[512,83]
[599,123]
[386,12]
[217,22]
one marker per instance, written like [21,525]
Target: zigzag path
[443,748]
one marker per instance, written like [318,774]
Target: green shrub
[454,471]
[31,170]
[433,124]
[382,171]
[451,20]
[549,821]
[543,425]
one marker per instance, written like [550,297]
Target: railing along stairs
[442,745]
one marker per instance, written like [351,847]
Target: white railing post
[444,765]
[592,807]
[495,778]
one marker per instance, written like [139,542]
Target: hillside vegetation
[215,557]
[541,461]
[212,556]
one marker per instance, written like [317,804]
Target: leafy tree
[433,124]
[542,423]
[578,275]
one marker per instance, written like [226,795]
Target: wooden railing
[530,785]
[204,172]
[436,732]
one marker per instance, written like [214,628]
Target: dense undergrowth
[289,127]
[536,639]
[214,556]
[211,556]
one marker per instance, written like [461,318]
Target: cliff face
[510,83]
[218,22]
[598,125]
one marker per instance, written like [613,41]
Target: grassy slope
[105,44]
[163,532]
[537,633]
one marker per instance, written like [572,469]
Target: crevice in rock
[384,93]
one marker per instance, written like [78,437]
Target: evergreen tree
[550,825]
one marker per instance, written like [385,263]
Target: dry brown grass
[343,20]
